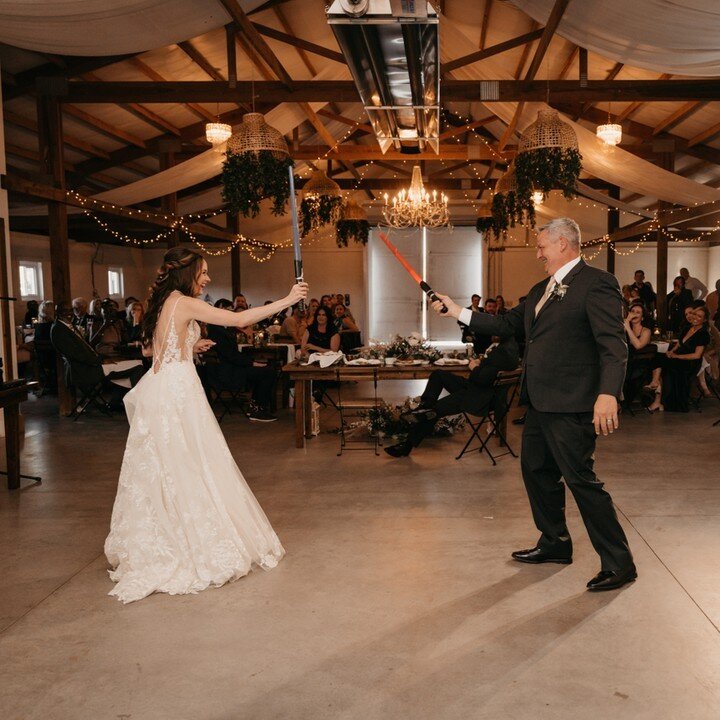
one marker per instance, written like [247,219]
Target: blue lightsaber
[296,235]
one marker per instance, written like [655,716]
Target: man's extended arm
[510,324]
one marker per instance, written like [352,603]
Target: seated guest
[321,335]
[44,351]
[644,290]
[466,335]
[472,395]
[641,353]
[94,320]
[240,303]
[500,303]
[109,338]
[342,320]
[32,310]
[237,370]
[80,314]
[312,307]
[482,342]
[294,325]
[712,357]
[677,301]
[83,366]
[134,315]
[675,370]
[327,301]
[129,301]
[712,305]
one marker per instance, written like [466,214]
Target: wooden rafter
[102,126]
[304,45]
[489,52]
[681,114]
[572,56]
[256,40]
[485,23]
[544,43]
[704,136]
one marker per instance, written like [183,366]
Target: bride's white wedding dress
[184,518]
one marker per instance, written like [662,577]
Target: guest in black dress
[641,353]
[32,310]
[677,301]
[134,314]
[672,378]
[321,335]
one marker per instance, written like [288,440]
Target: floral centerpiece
[386,421]
[412,347]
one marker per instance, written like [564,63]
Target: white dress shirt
[696,287]
[557,277]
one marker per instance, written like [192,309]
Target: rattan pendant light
[321,202]
[548,131]
[352,225]
[255,135]
[320,185]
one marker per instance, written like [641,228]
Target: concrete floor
[396,598]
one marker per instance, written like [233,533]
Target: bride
[184,518]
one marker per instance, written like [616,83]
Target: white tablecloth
[119,366]
[290,349]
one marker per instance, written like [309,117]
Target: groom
[573,372]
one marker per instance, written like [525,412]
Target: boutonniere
[559,291]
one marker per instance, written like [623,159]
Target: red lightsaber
[411,271]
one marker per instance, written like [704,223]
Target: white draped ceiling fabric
[604,161]
[108,27]
[671,36]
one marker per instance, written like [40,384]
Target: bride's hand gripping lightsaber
[296,235]
[411,271]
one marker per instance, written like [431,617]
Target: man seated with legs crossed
[472,395]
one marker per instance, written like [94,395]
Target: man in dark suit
[473,394]
[574,367]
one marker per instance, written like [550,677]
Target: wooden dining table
[303,375]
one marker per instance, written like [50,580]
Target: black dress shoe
[400,450]
[612,580]
[419,415]
[536,556]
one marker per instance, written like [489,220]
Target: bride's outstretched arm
[201,311]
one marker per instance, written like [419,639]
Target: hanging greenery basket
[353,225]
[321,204]
[484,222]
[508,207]
[256,167]
[548,157]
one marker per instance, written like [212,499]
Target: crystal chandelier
[416,206]
[217,133]
[610,133]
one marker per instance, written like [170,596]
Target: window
[116,286]
[31,284]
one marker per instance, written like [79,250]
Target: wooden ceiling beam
[704,136]
[681,114]
[373,152]
[489,52]
[152,74]
[304,45]
[102,126]
[486,91]
[256,40]
[454,132]
[572,56]
[201,61]
[485,23]
[362,127]
[553,21]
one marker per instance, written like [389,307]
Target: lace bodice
[174,346]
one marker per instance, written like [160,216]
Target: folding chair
[219,390]
[505,382]
[353,408]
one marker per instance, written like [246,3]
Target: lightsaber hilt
[431,294]
[299,278]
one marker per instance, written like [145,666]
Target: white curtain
[670,36]
[601,160]
[108,27]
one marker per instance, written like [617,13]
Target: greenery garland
[548,169]
[318,210]
[484,224]
[509,209]
[250,177]
[357,230]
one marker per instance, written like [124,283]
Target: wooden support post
[50,138]
[231,55]
[583,67]
[168,147]
[233,226]
[613,223]
[666,160]
[8,325]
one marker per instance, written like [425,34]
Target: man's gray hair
[564,227]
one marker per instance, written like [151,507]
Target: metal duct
[391,48]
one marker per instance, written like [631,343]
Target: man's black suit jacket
[575,348]
[479,392]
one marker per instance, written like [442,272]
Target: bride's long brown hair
[179,271]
